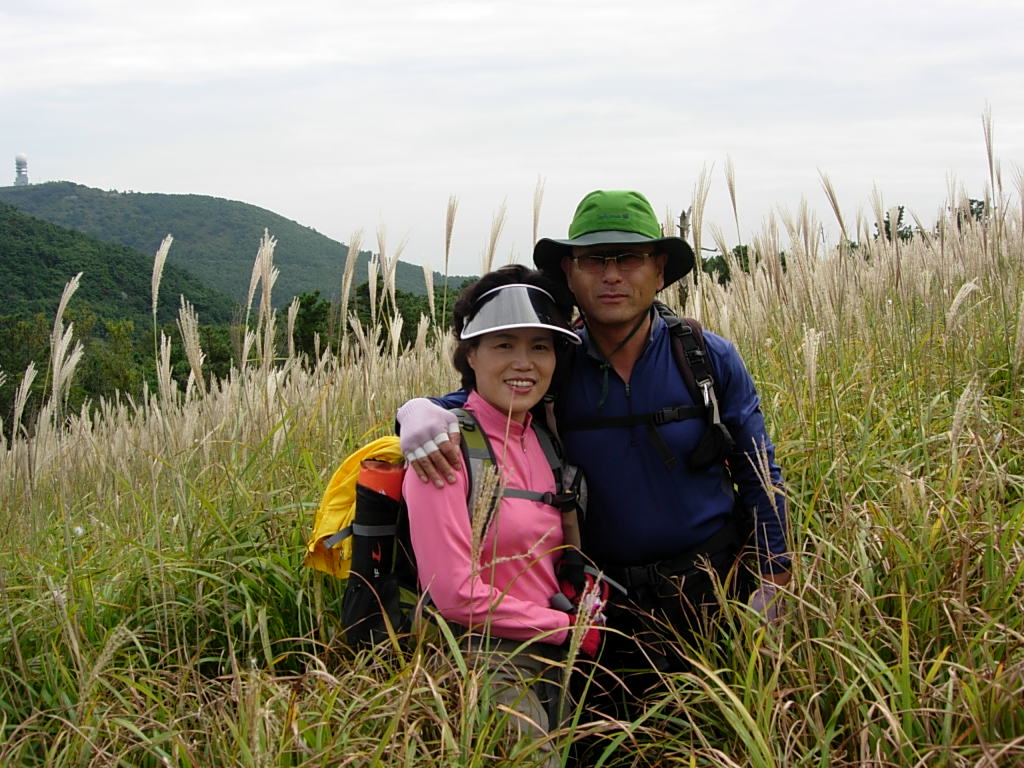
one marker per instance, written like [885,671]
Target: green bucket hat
[615,216]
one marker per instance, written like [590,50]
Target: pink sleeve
[442,541]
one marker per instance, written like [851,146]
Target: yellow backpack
[330,545]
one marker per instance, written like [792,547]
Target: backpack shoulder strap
[567,477]
[478,455]
[691,355]
[689,350]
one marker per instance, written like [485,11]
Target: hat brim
[548,253]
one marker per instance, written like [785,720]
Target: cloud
[343,114]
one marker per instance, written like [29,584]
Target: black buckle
[664,416]
[559,500]
[643,575]
[655,574]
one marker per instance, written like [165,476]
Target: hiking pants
[657,622]
[529,683]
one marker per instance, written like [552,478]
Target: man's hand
[430,441]
[766,599]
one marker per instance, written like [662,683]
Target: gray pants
[529,683]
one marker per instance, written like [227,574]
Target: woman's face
[513,368]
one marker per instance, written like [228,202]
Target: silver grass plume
[730,182]
[188,326]
[116,639]
[389,275]
[863,230]
[480,506]
[254,280]
[395,333]
[428,281]
[268,276]
[449,226]
[967,401]
[65,297]
[986,126]
[812,338]
[365,344]
[421,334]
[720,244]
[538,199]
[958,301]
[878,209]
[833,200]
[158,269]
[808,229]
[248,341]
[371,275]
[63,356]
[1018,181]
[293,311]
[384,263]
[21,396]
[700,199]
[346,280]
[497,225]
[922,232]
[168,388]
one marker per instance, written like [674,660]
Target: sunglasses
[625,262]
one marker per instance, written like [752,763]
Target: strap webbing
[334,540]
[664,416]
[374,530]
[479,455]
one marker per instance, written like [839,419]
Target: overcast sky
[347,116]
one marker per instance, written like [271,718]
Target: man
[659,518]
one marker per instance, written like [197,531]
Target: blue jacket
[641,511]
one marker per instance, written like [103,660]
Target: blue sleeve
[757,476]
[455,399]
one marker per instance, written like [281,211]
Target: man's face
[614,293]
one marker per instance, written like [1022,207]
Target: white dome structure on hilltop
[20,170]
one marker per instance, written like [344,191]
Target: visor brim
[517,305]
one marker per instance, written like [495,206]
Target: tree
[718,265]
[903,231]
[310,320]
[975,210]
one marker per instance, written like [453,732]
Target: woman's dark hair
[462,311]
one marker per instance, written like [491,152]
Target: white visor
[516,305]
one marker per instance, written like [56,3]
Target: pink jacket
[507,591]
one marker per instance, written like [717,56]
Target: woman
[510,330]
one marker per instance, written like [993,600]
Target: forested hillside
[38,258]
[111,315]
[214,239]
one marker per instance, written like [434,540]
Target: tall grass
[155,610]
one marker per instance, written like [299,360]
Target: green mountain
[214,239]
[38,258]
